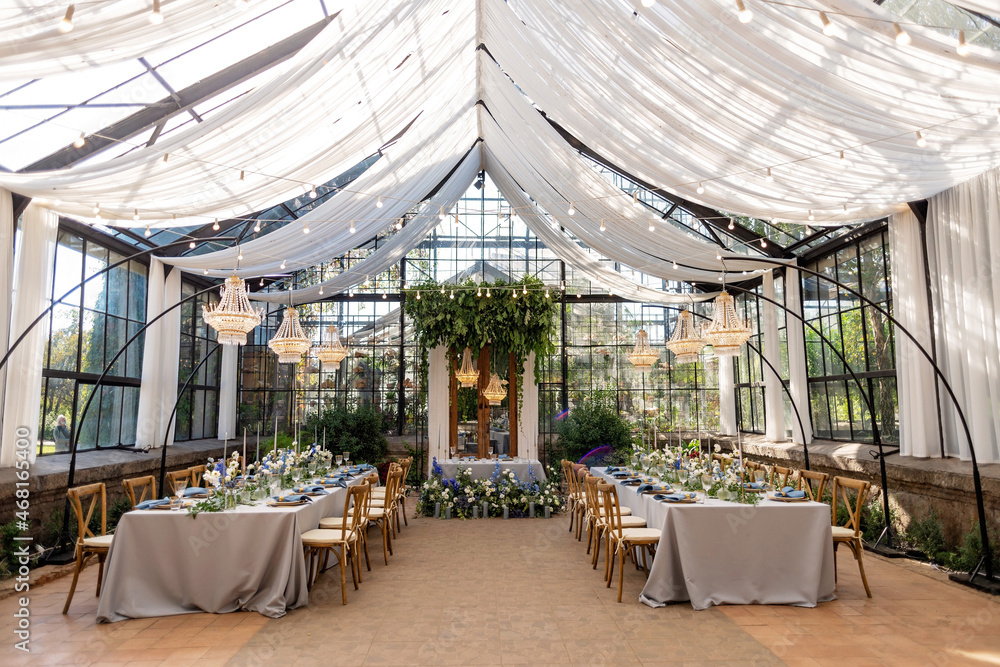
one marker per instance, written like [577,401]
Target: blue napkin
[503,457]
[291,498]
[620,474]
[311,488]
[194,491]
[367,466]
[789,492]
[753,486]
[611,469]
[629,479]
[676,497]
[336,481]
[149,504]
[651,487]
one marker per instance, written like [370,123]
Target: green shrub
[594,423]
[971,550]
[360,431]
[927,535]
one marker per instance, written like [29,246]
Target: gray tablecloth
[163,563]
[484,469]
[728,553]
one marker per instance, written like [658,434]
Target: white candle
[225,439]
[275,432]
[257,458]
[244,450]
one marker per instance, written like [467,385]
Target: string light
[67,20]
[525,289]
[352,227]
[603,226]
[827,26]
[635,199]
[418,296]
[487,292]
[191,245]
[721,277]
[239,257]
[215,225]
[256,227]
[242,175]
[547,295]
[732,224]
[442,289]
[763,243]
[206,272]
[479,292]
[579,295]
[921,141]
[305,227]
[902,37]
[745,14]
[135,214]
[283,265]
[652,227]
[441,215]
[718,254]
[166,156]
[156,18]
[843,160]
[700,189]
[378,204]
[147,233]
[675,266]
[312,192]
[769,178]
[261,282]
[386,296]
[321,290]
[513,293]
[97,209]
[811,216]
[350,293]
[571,210]
[399,224]
[80,141]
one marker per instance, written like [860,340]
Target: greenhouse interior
[637,309]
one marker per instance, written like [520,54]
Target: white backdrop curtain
[727,397]
[33,266]
[438,400]
[161,356]
[527,414]
[6,281]
[228,381]
[798,385]
[915,381]
[774,403]
[963,246]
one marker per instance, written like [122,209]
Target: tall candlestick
[257,458]
[324,437]
[275,432]
[244,450]
[225,439]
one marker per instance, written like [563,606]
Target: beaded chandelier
[233,317]
[685,342]
[727,332]
[468,374]
[643,356]
[289,342]
[333,352]
[495,392]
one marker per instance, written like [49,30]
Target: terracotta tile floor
[522,592]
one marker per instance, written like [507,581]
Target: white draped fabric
[108,32]
[33,266]
[727,397]
[228,381]
[683,93]
[963,246]
[527,413]
[437,404]
[915,380]
[774,404]
[988,7]
[6,281]
[161,353]
[798,385]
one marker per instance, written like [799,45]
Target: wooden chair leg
[835,562]
[861,566]
[597,548]
[611,564]
[621,572]
[571,509]
[645,567]
[385,542]
[389,535]
[364,538]
[76,576]
[355,572]
[343,575]
[100,574]
[402,502]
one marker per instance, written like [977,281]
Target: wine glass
[758,475]
[340,460]
[180,485]
[682,475]
[312,469]
[706,483]
[296,475]
[347,458]
[274,482]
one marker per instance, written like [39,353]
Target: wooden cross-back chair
[622,539]
[406,463]
[89,544]
[573,497]
[849,532]
[780,476]
[725,460]
[750,468]
[340,536]
[139,489]
[382,513]
[174,475]
[813,483]
[196,474]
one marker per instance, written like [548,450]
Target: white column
[798,385]
[727,396]
[6,280]
[32,287]
[227,391]
[527,412]
[774,409]
[148,432]
[438,400]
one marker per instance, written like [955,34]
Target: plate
[788,500]
[655,491]
[689,501]
[284,503]
[167,507]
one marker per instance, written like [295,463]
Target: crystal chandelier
[289,342]
[468,374]
[685,342]
[495,392]
[727,332]
[233,317]
[333,352]
[643,356]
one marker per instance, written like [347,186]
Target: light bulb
[547,295]
[479,292]
[67,20]
[718,255]
[239,257]
[827,26]
[97,209]
[399,224]
[135,214]
[720,277]
[525,290]
[732,224]
[843,160]
[603,226]
[513,293]
[418,296]
[635,200]
[378,204]
[386,296]
[652,227]
[98,216]
[256,227]
[191,245]
[166,156]
[261,282]
[305,228]
[487,292]
[700,189]
[80,141]
[321,290]
[745,14]
[769,178]
[763,243]
[352,227]
[571,210]
[242,175]
[902,37]
[147,233]
[675,266]
[811,216]
[441,214]
[579,295]
[442,289]
[156,18]
[350,293]
[206,270]
[283,265]
[215,225]
[452,295]
[921,141]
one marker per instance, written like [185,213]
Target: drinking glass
[758,475]
[682,475]
[347,458]
[312,469]
[340,460]
[180,485]
[296,475]
[274,483]
[706,483]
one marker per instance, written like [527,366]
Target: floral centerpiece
[465,496]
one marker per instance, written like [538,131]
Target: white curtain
[527,414]
[727,397]
[798,385]
[228,388]
[160,354]
[6,280]
[774,404]
[915,380]
[438,404]
[32,283]
[963,246]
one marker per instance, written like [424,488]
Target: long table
[729,553]
[163,563]
[484,469]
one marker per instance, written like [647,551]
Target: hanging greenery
[463,316]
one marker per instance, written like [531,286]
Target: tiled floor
[522,592]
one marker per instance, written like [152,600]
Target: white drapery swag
[527,413]
[798,385]
[228,379]
[774,404]
[33,268]
[727,397]
[437,404]
[6,281]
[963,247]
[161,355]
[915,380]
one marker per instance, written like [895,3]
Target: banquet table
[163,563]
[481,469]
[720,552]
